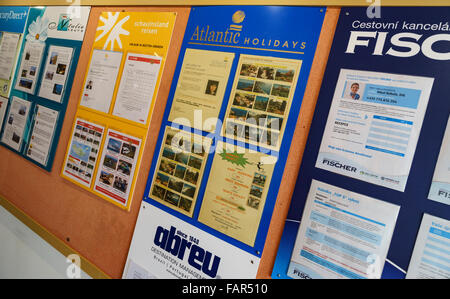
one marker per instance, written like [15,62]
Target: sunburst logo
[237,18]
[112,28]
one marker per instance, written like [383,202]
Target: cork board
[98,230]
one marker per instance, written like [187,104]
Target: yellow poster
[201,88]
[119,92]
[260,99]
[179,171]
[126,63]
[236,192]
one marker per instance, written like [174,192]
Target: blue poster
[376,134]
[229,120]
[42,81]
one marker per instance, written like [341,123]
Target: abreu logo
[177,244]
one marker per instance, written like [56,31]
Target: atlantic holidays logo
[234,35]
[337,164]
[177,244]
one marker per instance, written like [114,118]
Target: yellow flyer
[235,196]
[260,100]
[119,91]
[126,63]
[201,88]
[179,171]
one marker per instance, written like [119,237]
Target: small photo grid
[118,165]
[256,190]
[259,104]
[179,170]
[84,150]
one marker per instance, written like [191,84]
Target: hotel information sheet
[373,126]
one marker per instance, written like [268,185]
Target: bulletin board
[42,82]
[81,220]
[387,60]
[91,226]
[234,49]
[115,108]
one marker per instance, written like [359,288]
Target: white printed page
[342,234]
[55,73]
[8,50]
[16,122]
[30,66]
[373,126]
[440,186]
[101,79]
[431,255]
[137,87]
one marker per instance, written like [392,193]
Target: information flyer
[30,66]
[8,50]
[101,79]
[373,126]
[440,187]
[83,152]
[200,88]
[42,134]
[236,192]
[431,255]
[260,99]
[3,104]
[55,73]
[137,87]
[117,166]
[181,163]
[342,234]
[16,122]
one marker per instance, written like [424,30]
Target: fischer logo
[177,244]
[443,193]
[301,274]
[338,164]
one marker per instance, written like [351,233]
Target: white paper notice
[373,126]
[3,104]
[165,247]
[55,73]
[83,151]
[440,187]
[30,66]
[137,87]
[101,79]
[8,50]
[42,134]
[117,166]
[16,122]
[431,255]
[342,234]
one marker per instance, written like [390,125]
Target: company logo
[234,35]
[443,193]
[338,164]
[177,244]
[403,44]
[301,274]
[63,23]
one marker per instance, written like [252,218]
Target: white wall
[24,254]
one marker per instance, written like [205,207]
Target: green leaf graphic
[235,158]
